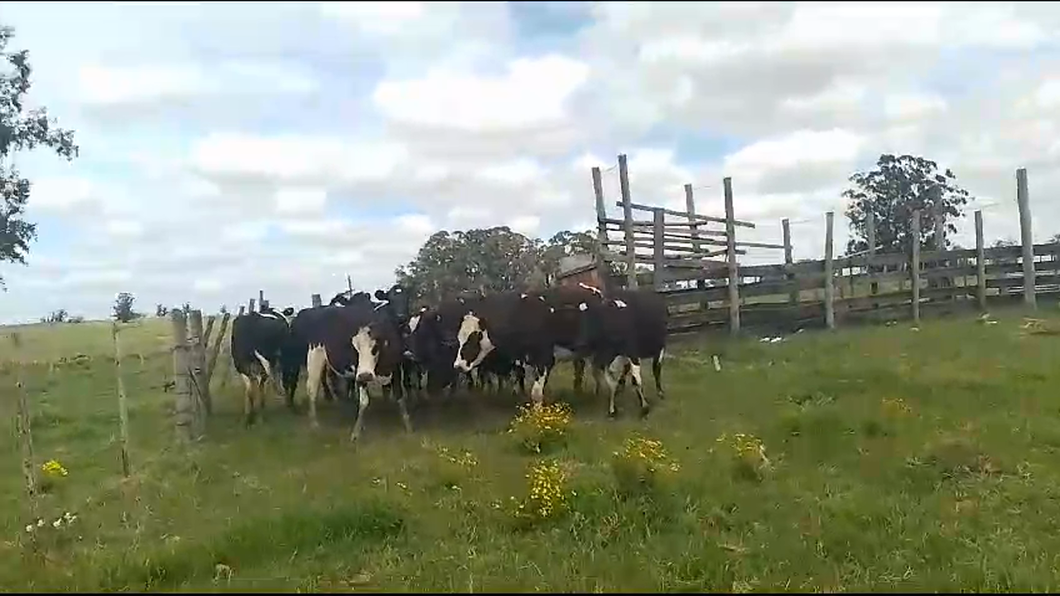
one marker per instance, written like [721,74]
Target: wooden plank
[980,260]
[659,256]
[734,279]
[700,217]
[829,272]
[627,217]
[1026,237]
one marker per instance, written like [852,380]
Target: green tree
[488,260]
[123,308]
[21,129]
[896,187]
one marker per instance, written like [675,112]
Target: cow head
[376,345]
[398,302]
[473,342]
[594,312]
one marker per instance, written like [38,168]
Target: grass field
[899,459]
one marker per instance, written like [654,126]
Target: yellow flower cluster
[53,468]
[547,495]
[746,447]
[895,406]
[537,426]
[649,453]
[464,460]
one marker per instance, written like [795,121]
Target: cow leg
[598,378]
[290,382]
[538,378]
[362,405]
[610,375]
[656,373]
[259,407]
[248,395]
[316,362]
[579,374]
[638,385]
[520,377]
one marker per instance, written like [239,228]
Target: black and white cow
[619,331]
[359,341]
[257,344]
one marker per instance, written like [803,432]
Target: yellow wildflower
[53,468]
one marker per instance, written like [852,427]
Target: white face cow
[474,343]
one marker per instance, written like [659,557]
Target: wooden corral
[694,261]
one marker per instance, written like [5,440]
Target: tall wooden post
[1026,237]
[658,249]
[185,406]
[315,298]
[200,387]
[214,350]
[829,272]
[870,235]
[627,216]
[789,261]
[980,260]
[915,266]
[730,250]
[24,426]
[603,262]
[123,408]
[697,246]
[250,306]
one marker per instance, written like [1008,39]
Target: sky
[231,147]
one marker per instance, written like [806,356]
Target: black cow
[358,340]
[257,344]
[621,330]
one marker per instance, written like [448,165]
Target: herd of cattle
[359,340]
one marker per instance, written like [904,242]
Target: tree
[891,192]
[488,260]
[123,308]
[161,310]
[21,129]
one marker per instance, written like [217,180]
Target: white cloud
[532,94]
[227,148]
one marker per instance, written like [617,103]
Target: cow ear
[380,295]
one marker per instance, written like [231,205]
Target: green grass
[961,492]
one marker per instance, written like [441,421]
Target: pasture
[899,459]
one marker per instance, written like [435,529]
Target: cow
[257,344]
[619,331]
[359,341]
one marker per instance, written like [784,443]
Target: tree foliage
[892,191]
[123,308]
[488,260]
[21,129]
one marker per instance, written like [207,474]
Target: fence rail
[694,262]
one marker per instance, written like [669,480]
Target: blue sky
[228,147]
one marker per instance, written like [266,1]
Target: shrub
[539,428]
[51,473]
[747,454]
[547,495]
[639,466]
[454,467]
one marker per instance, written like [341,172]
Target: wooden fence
[694,262]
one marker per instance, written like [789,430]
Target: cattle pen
[694,262]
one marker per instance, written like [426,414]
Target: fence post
[315,298]
[915,267]
[697,246]
[1027,238]
[603,263]
[211,362]
[730,251]
[198,361]
[185,408]
[789,261]
[658,248]
[242,310]
[627,215]
[829,272]
[24,424]
[980,260]
[250,306]
[870,235]
[123,408]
